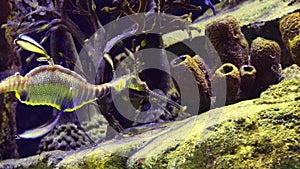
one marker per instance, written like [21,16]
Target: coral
[179,68]
[227,77]
[265,57]
[226,36]
[6,54]
[289,28]
[67,136]
[248,75]
[203,67]
[232,47]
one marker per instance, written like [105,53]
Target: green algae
[267,138]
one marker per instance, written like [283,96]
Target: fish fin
[46,59]
[42,59]
[39,131]
[108,58]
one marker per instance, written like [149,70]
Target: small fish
[29,44]
[39,131]
[26,42]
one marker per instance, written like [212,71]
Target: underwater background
[150,84]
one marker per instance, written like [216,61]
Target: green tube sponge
[227,78]
[265,57]
[179,68]
[248,75]
[289,28]
[226,36]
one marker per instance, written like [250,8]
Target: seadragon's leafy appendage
[61,88]
[58,87]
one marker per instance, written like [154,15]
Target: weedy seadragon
[61,88]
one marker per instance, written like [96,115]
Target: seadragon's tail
[12,83]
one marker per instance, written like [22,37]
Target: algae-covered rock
[258,133]
[8,146]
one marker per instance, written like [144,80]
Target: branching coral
[167,6]
[9,63]
[33,17]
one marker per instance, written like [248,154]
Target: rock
[259,133]
[8,130]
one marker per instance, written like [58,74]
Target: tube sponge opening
[227,77]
